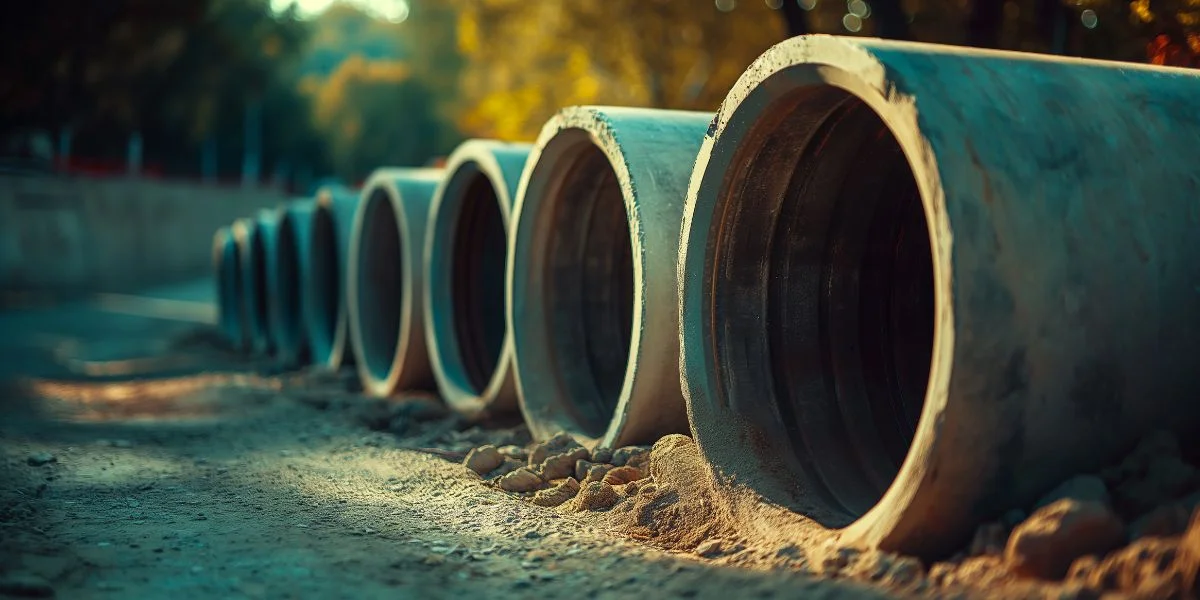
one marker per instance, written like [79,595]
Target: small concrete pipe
[287,262]
[470,348]
[591,291]
[254,281]
[384,281]
[923,284]
[227,273]
[325,314]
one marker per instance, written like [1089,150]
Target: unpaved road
[136,462]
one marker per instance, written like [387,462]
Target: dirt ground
[140,459]
[137,461]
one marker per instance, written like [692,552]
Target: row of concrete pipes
[895,287]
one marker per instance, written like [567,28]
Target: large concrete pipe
[591,290]
[384,281]
[469,345]
[921,284]
[287,261]
[325,314]
[254,282]
[227,275]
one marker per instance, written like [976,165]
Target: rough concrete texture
[112,235]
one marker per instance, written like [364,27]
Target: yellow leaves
[1141,10]
[468,33]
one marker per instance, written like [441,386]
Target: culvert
[384,281]
[591,289]
[287,273]
[252,251]
[900,318]
[470,349]
[325,314]
[227,276]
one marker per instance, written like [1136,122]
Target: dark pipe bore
[589,288]
[380,284]
[288,280]
[832,242]
[325,291]
[477,284]
[258,278]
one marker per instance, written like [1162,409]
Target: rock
[635,456]
[904,571]
[512,451]
[1165,521]
[508,466]
[1142,565]
[1165,478]
[38,459]
[1081,487]
[558,494]
[559,443]
[1053,537]
[484,459]
[596,495]
[602,455]
[711,548]
[838,560]
[521,480]
[25,585]
[562,465]
[597,472]
[581,469]
[663,454]
[622,475]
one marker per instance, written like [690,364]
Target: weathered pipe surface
[591,290]
[288,266]
[325,314]
[921,284]
[385,281]
[228,274]
[470,348]
[249,233]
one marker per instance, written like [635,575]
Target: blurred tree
[525,60]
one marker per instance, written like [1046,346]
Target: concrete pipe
[591,290]
[922,284]
[384,281]
[287,261]
[254,282]
[469,345]
[227,274]
[325,314]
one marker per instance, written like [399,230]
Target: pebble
[521,480]
[1046,544]
[1085,488]
[622,475]
[508,466]
[516,452]
[597,472]
[559,443]
[562,465]
[581,469]
[711,548]
[602,455]
[634,456]
[484,459]
[38,459]
[596,495]
[558,494]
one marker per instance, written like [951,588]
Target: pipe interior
[588,286]
[325,289]
[380,284]
[826,239]
[258,272]
[231,285]
[477,281]
[288,277]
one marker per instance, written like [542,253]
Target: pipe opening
[230,288]
[325,289]
[288,277]
[824,236]
[589,288]
[258,277]
[477,282]
[380,284]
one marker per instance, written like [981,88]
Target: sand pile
[1132,528]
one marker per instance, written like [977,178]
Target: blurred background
[290,94]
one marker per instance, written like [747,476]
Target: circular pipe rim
[254,291]
[801,62]
[227,273]
[292,335]
[407,192]
[471,160]
[638,145]
[335,208]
